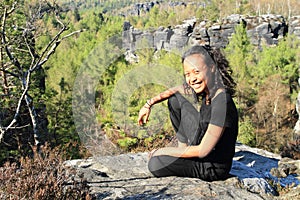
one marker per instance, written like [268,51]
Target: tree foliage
[281,59]
[239,52]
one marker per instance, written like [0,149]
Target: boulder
[178,41]
[161,36]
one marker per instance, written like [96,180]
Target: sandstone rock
[126,26]
[289,166]
[178,41]
[145,40]
[126,176]
[161,36]
[265,29]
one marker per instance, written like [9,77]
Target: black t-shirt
[221,112]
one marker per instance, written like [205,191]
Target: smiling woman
[206,137]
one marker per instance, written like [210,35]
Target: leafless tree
[20,60]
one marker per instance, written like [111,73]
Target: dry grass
[41,177]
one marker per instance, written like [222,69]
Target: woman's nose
[193,78]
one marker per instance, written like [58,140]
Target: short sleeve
[219,110]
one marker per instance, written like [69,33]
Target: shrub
[247,132]
[43,176]
[127,142]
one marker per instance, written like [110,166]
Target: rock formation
[145,7]
[265,29]
[126,177]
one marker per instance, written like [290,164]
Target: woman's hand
[144,115]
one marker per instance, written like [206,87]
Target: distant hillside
[118,6]
[252,7]
[107,6]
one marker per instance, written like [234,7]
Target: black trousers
[185,120]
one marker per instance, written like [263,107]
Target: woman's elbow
[203,153]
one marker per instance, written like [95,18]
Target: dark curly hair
[214,57]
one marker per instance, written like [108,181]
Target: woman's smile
[196,85]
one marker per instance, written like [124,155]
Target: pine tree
[239,52]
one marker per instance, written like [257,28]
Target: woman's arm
[208,143]
[146,109]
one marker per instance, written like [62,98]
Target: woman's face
[196,73]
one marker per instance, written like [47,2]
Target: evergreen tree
[239,52]
[281,59]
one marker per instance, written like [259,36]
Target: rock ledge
[126,176]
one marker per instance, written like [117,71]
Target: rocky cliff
[265,29]
[256,174]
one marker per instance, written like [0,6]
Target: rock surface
[126,177]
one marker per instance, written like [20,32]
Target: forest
[46,43]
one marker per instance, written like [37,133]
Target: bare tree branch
[53,48]
[73,33]
[30,51]
[12,9]
[10,73]
[20,127]
[28,99]
[17,112]
[25,76]
[53,44]
[2,132]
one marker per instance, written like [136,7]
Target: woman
[206,137]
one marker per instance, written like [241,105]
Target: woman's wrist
[149,104]
[152,153]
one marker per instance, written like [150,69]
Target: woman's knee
[160,166]
[153,166]
[173,103]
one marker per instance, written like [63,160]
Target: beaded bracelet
[148,103]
